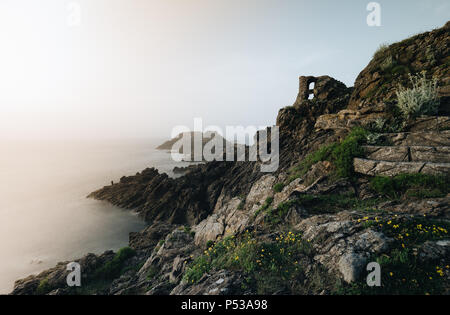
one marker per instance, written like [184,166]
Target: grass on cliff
[278,187]
[320,204]
[333,203]
[43,287]
[322,154]
[381,50]
[341,155]
[402,274]
[412,185]
[266,206]
[402,270]
[100,279]
[113,268]
[268,267]
[276,216]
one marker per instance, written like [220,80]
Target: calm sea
[45,216]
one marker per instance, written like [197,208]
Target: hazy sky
[136,68]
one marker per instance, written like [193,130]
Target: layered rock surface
[410,153]
[385,168]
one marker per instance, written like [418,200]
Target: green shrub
[112,269]
[152,272]
[374,138]
[344,153]
[333,203]
[381,125]
[402,274]
[430,56]
[421,99]
[400,69]
[340,154]
[265,206]
[388,63]
[275,216]
[412,185]
[303,167]
[278,187]
[200,266]
[187,229]
[43,287]
[408,232]
[99,281]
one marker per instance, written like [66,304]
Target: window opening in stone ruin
[311,87]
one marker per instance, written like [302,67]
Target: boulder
[260,190]
[342,245]
[165,267]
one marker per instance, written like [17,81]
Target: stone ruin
[306,89]
[323,88]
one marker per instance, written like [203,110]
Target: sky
[112,69]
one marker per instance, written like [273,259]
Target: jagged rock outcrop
[375,87]
[347,119]
[191,198]
[150,236]
[168,145]
[186,200]
[296,123]
[233,216]
[162,269]
[191,139]
[166,266]
[224,221]
[390,66]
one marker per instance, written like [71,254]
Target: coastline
[346,194]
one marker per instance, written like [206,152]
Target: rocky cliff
[392,64]
[357,183]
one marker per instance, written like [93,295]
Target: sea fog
[45,216]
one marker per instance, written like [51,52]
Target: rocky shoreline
[312,226]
